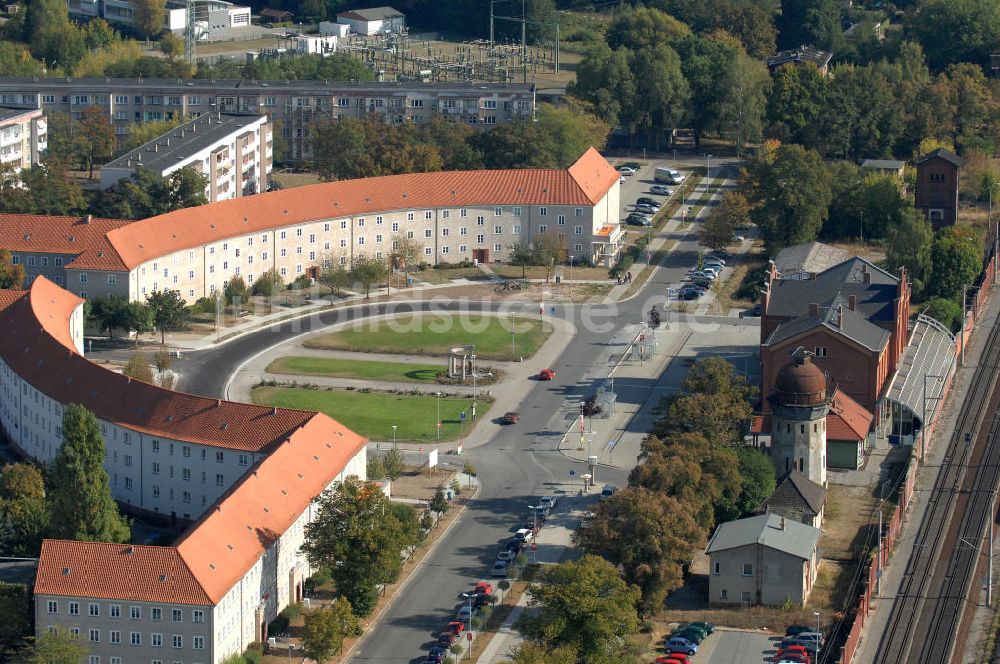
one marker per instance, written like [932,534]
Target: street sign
[462,416]
[572,472]
[468,636]
[432,458]
[534,546]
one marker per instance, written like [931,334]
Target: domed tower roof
[800,383]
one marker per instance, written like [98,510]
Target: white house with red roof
[244,476]
[455,215]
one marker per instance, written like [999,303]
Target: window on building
[95,636]
[542,211]
[498,230]
[115,637]
[93,659]
[198,643]
[135,638]
[480,239]
[745,597]
[480,221]
[197,616]
[156,640]
[93,609]
[820,351]
[428,215]
[53,606]
[115,611]
[578,230]
[747,569]
[135,612]
[83,277]
[723,594]
[220,479]
[74,608]
[542,228]
[156,613]
[178,641]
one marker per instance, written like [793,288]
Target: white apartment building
[23,137]
[234,152]
[210,16]
[295,103]
[456,215]
[374,21]
[215,590]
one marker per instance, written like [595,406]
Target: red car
[675,658]
[455,627]
[510,417]
[546,374]
[796,653]
[484,587]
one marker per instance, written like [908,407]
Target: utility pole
[961,361]
[524,42]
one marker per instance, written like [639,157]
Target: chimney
[866,277]
[814,309]
[87,219]
[840,315]
[852,302]
[812,276]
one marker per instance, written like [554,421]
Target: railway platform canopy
[918,386]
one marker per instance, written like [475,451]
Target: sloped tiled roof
[36,344]
[233,534]
[64,235]
[583,184]
[853,325]
[795,491]
[769,530]
[947,155]
[117,571]
[791,298]
[847,419]
[373,14]
[809,257]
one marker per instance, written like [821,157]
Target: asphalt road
[519,464]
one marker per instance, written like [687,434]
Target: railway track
[927,612]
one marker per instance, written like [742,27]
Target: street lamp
[512,351]
[469,597]
[571,277]
[708,166]
[473,385]
[816,613]
[394,436]
[438,395]
[534,531]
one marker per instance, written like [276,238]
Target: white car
[548,502]
[661,190]
[524,534]
[625,170]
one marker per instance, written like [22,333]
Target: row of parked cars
[482,592]
[801,645]
[699,279]
[647,206]
[683,642]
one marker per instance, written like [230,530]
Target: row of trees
[71,500]
[695,473]
[164,310]
[352,148]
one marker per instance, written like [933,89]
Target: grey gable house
[765,559]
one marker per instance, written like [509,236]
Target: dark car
[637,219]
[634,165]
[514,544]
[646,200]
[688,295]
[436,654]
[754,312]
[706,627]
[643,208]
[510,417]
[446,639]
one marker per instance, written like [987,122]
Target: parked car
[713,261]
[608,492]
[812,637]
[455,627]
[465,613]
[647,209]
[514,545]
[672,658]
[626,171]
[445,639]
[711,269]
[695,274]
[646,200]
[483,588]
[506,554]
[638,219]
[706,627]
[510,417]
[678,644]
[796,629]
[500,569]
[717,256]
[436,654]
[524,534]
[661,190]
[548,501]
[634,165]
[691,294]
[689,633]
[791,652]
[546,374]
[752,312]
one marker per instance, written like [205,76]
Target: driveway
[736,647]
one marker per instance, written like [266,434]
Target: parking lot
[737,647]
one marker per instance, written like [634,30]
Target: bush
[254,653]
[301,282]
[203,305]
[946,312]
[268,283]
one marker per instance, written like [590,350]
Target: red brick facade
[861,372]
[936,192]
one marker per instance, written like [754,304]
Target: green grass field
[372,414]
[434,335]
[361,369]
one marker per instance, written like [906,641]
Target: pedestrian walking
[619,280]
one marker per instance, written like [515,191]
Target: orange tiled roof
[231,536]
[116,571]
[64,235]
[50,363]
[583,184]
[847,419]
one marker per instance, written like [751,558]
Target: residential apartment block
[296,104]
[210,16]
[245,477]
[23,137]
[233,151]
[456,215]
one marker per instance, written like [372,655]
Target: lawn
[435,335]
[372,414]
[361,369]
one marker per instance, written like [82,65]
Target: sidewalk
[554,545]
[892,574]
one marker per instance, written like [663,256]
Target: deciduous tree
[236,291]
[98,134]
[957,31]
[169,311]
[642,27]
[584,604]
[80,502]
[956,257]
[11,275]
[54,647]
[326,628]
[149,16]
[22,510]
[908,244]
[649,535]
[789,195]
[138,368]
[359,538]
[269,283]
[367,271]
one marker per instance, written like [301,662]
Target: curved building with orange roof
[234,471]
